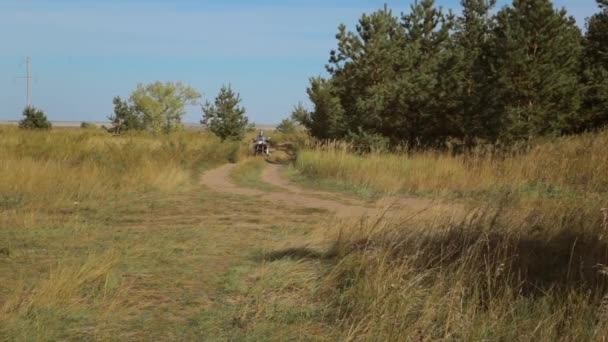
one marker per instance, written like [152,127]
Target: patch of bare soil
[292,196]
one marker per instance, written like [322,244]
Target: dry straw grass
[493,275]
[575,164]
[75,165]
[59,191]
[525,265]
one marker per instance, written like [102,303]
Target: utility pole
[28,77]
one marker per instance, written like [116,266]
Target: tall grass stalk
[567,166]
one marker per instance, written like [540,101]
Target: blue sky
[86,52]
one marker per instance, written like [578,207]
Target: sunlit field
[82,243]
[525,262]
[114,237]
[568,166]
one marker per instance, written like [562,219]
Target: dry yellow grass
[107,238]
[493,276]
[89,163]
[113,238]
[575,164]
[62,194]
[526,264]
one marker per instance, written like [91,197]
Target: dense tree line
[427,76]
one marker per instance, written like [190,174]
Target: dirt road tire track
[219,180]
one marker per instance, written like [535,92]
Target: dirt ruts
[219,180]
[343,206]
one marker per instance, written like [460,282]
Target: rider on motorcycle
[261,137]
[262,140]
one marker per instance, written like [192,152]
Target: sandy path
[343,206]
[219,180]
[272,175]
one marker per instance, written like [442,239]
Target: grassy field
[115,238]
[527,261]
[566,167]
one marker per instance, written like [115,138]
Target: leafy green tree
[536,52]
[225,117]
[125,117]
[163,105]
[595,71]
[34,119]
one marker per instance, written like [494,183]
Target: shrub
[34,119]
[234,154]
[363,142]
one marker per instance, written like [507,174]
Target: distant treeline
[427,76]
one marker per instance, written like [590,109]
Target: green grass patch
[331,185]
[11,200]
[247,174]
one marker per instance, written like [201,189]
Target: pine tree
[225,117]
[596,48]
[327,119]
[125,117]
[34,119]
[536,53]
[426,77]
[363,68]
[287,126]
[421,110]
[595,71]
[467,74]
[301,115]
[385,76]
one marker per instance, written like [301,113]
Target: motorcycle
[261,147]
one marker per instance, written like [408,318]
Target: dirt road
[343,206]
[219,180]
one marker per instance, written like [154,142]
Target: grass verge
[571,167]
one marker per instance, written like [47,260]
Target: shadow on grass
[296,253]
[555,250]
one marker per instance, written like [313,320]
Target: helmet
[261,133]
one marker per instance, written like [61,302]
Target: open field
[566,167]
[527,262]
[154,238]
[442,175]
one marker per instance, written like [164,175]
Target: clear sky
[86,52]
